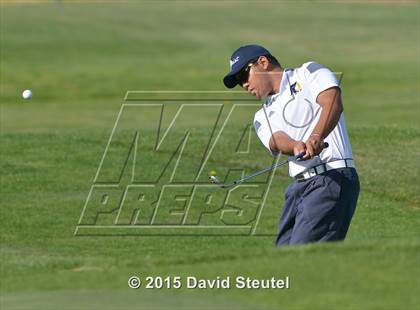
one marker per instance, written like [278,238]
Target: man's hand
[314,146]
[281,142]
[299,147]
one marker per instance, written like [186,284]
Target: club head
[215,180]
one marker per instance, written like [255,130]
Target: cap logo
[234,61]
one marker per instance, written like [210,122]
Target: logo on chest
[295,88]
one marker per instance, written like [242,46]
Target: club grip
[301,154]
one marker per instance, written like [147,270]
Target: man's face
[255,78]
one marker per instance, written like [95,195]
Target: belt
[336,164]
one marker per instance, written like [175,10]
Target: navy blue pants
[320,208]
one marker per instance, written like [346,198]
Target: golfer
[302,110]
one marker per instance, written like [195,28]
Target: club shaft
[249,176]
[263,170]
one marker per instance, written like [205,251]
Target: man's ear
[264,62]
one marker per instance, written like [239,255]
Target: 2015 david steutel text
[192,282]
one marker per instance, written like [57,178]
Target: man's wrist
[314,134]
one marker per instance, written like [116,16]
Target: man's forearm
[330,113]
[281,142]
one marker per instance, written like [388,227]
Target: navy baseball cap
[240,58]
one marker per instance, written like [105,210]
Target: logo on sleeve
[295,88]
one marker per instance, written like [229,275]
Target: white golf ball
[27,94]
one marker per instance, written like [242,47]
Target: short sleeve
[319,79]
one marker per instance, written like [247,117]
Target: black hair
[273,60]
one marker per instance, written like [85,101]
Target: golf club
[215,180]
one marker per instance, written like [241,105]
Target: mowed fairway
[81,59]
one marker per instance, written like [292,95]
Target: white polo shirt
[294,111]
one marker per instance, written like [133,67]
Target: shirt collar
[284,83]
[285,80]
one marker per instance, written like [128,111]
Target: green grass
[80,59]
